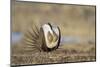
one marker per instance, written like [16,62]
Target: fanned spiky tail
[41,39]
[31,40]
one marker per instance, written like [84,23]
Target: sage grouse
[45,38]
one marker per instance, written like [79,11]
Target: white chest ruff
[46,29]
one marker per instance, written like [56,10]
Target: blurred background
[77,22]
[77,25]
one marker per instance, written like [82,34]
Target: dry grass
[65,53]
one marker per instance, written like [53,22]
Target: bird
[46,38]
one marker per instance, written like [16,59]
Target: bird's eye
[50,37]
